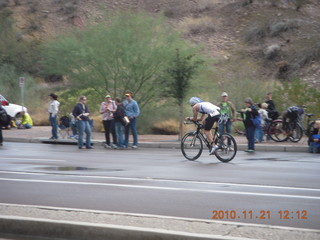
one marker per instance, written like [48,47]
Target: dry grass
[169,127]
[195,26]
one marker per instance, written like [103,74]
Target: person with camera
[81,114]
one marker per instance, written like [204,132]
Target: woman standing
[107,110]
[53,113]
[248,114]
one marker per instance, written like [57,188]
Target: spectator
[132,112]
[226,108]
[53,113]
[26,121]
[247,115]
[259,132]
[269,101]
[118,122]
[272,112]
[81,113]
[107,109]
[314,139]
[3,120]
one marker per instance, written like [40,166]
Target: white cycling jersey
[209,108]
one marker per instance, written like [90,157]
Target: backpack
[256,121]
[3,116]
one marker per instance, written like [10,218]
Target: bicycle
[192,144]
[293,130]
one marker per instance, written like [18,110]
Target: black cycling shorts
[210,121]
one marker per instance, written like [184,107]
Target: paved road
[265,187]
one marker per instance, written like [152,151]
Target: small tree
[180,74]
[131,52]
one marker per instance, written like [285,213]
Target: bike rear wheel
[276,131]
[191,146]
[296,133]
[227,148]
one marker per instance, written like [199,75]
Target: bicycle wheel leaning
[227,148]
[276,131]
[191,146]
[296,132]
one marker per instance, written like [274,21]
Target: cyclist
[213,112]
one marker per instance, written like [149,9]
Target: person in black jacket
[81,114]
[118,116]
[248,114]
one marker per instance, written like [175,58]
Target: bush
[279,27]
[265,29]
[309,54]
[203,25]
[257,33]
[205,5]
[168,127]
[272,51]
[3,4]
[296,92]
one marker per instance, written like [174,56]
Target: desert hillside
[279,37]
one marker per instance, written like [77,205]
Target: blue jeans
[54,125]
[314,148]
[132,125]
[119,132]
[259,134]
[84,126]
[250,136]
[225,126]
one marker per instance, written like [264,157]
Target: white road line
[166,180]
[161,188]
[31,159]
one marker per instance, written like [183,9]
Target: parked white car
[12,109]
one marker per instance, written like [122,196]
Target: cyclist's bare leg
[209,136]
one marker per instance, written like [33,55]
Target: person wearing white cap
[226,108]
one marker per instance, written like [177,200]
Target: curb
[168,145]
[44,228]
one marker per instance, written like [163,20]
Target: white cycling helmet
[195,100]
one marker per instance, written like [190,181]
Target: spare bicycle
[292,130]
[192,144]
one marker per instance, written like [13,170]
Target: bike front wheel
[296,133]
[191,146]
[227,148]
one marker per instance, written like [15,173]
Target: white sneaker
[107,146]
[213,150]
[114,146]
[134,146]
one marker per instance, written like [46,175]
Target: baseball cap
[224,94]
[108,96]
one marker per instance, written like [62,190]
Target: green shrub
[296,92]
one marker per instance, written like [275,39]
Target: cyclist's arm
[195,110]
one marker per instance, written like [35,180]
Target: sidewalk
[41,134]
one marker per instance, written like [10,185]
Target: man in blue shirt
[132,112]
